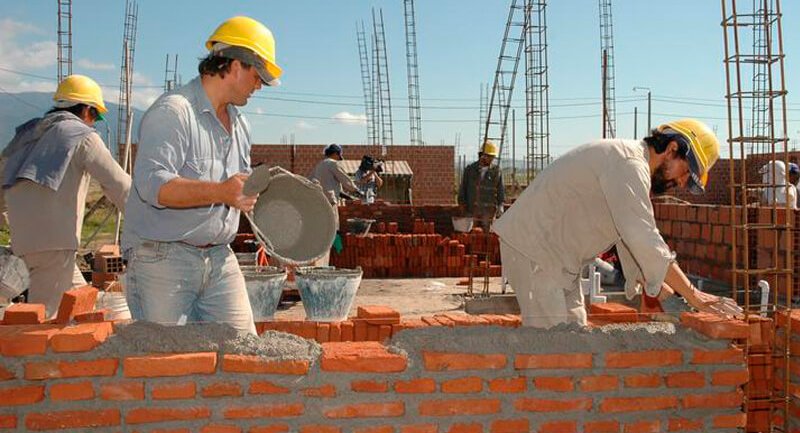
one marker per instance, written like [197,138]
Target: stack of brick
[408,256]
[106,268]
[76,305]
[480,243]
[52,379]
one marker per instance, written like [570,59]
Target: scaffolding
[505,75]
[367,84]
[64,39]
[537,92]
[381,78]
[125,81]
[414,114]
[763,236]
[171,75]
[483,109]
[607,70]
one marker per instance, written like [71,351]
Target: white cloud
[348,118]
[145,91]
[259,110]
[303,125]
[88,64]
[30,55]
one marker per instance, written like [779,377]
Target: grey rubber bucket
[294,215]
[327,292]
[264,289]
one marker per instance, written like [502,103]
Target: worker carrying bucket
[192,162]
[595,196]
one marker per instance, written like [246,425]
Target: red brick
[728,399]
[24,314]
[153,414]
[552,405]
[21,395]
[92,316]
[170,365]
[10,421]
[685,379]
[76,301]
[71,391]
[613,312]
[558,384]
[553,361]
[266,387]
[375,429]
[510,426]
[324,391]
[72,419]
[316,428]
[558,427]
[419,428]
[725,356]
[683,424]
[275,428]
[715,326]
[6,374]
[264,411]
[222,389]
[323,332]
[729,378]
[257,365]
[508,385]
[643,381]
[415,386]
[220,428]
[647,426]
[463,385]
[730,421]
[601,427]
[367,410]
[634,404]
[369,386]
[439,361]
[459,407]
[367,357]
[173,391]
[599,383]
[81,338]
[26,340]
[377,312]
[650,358]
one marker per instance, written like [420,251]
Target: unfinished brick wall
[433,380]
[434,171]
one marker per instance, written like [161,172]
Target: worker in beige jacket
[591,198]
[46,170]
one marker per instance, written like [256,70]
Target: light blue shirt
[181,136]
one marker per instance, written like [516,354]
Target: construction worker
[794,174]
[482,193]
[47,168]
[192,161]
[780,193]
[331,176]
[595,196]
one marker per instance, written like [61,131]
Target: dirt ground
[412,297]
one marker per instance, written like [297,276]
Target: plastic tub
[327,293]
[462,224]
[264,289]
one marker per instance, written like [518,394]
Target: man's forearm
[678,281]
[186,193]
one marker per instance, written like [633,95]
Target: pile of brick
[77,305]
[107,267]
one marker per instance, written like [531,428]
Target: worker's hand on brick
[231,193]
[709,303]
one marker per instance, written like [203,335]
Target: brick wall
[458,378]
[434,172]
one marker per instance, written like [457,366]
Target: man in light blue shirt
[191,164]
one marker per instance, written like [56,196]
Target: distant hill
[14,112]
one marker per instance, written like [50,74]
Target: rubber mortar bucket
[295,216]
[327,292]
[264,288]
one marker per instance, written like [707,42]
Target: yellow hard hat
[702,149]
[489,148]
[248,33]
[80,89]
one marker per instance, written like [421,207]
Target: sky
[674,48]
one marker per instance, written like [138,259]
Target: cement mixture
[147,337]
[567,338]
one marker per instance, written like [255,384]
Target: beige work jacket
[41,219]
[591,198]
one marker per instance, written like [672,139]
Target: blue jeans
[166,280]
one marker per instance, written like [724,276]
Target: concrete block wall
[433,167]
[483,379]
